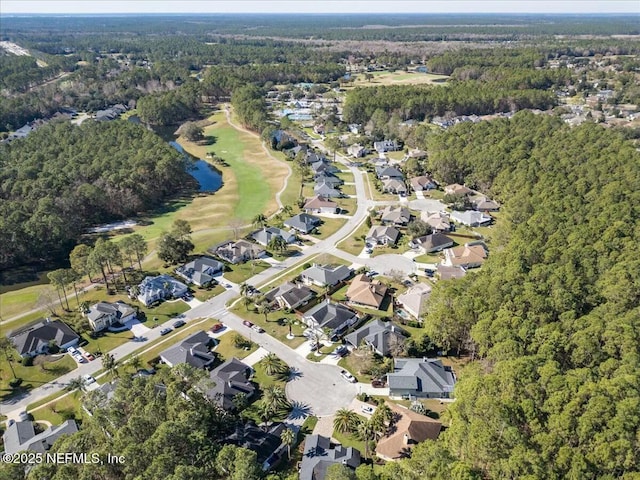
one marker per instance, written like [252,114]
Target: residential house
[289,295]
[408,429]
[471,218]
[418,154]
[394,186]
[330,316]
[398,216]
[326,191]
[99,398]
[267,234]
[439,221]
[354,128]
[35,338]
[200,271]
[323,275]
[386,146]
[457,189]
[381,337]
[266,442]
[193,350]
[414,300]
[484,204]
[366,292]
[323,166]
[230,379]
[319,454]
[161,287]
[319,204]
[104,314]
[312,157]
[356,150]
[319,129]
[447,273]
[386,172]
[423,182]
[303,222]
[465,256]
[328,178]
[420,377]
[236,252]
[21,436]
[431,243]
[382,235]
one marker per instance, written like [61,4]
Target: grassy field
[243,271]
[227,350]
[348,189]
[346,177]
[354,244]
[329,226]
[350,440]
[273,326]
[398,78]
[18,301]
[58,411]
[33,376]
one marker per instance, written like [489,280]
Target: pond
[208,177]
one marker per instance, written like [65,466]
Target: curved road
[315,388]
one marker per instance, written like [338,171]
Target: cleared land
[399,78]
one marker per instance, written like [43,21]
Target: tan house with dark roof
[367,292]
[409,429]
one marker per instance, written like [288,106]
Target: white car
[347,376]
[78,357]
[88,379]
[368,409]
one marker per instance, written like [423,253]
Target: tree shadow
[208,140]
[299,410]
[294,374]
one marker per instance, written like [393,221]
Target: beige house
[366,292]
[466,256]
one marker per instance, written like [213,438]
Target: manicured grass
[345,176]
[261,378]
[349,440]
[350,363]
[329,227]
[348,205]
[243,271]
[204,294]
[227,350]
[428,258]
[291,273]
[348,189]
[56,412]
[273,326]
[399,155]
[354,243]
[33,376]
[398,78]
[19,300]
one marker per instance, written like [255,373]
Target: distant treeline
[63,178]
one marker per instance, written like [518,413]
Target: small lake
[208,177]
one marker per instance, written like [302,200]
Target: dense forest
[553,316]
[63,178]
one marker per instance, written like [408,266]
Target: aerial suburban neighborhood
[372,246]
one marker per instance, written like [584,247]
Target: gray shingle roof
[319,455]
[200,271]
[327,274]
[38,335]
[303,222]
[424,375]
[378,334]
[193,350]
[265,235]
[230,379]
[330,315]
[101,309]
[21,436]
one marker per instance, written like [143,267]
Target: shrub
[27,361]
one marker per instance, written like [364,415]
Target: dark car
[164,331]
[216,327]
[340,351]
[179,323]
[378,383]
[247,323]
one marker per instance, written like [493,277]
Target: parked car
[23,416]
[216,327]
[78,357]
[340,351]
[258,328]
[144,372]
[89,356]
[247,323]
[368,409]
[179,323]
[88,379]
[72,350]
[164,331]
[378,383]
[347,376]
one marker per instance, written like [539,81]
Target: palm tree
[259,220]
[287,210]
[345,420]
[76,385]
[246,300]
[136,362]
[58,280]
[273,365]
[244,288]
[365,431]
[288,437]
[275,398]
[264,308]
[290,322]
[277,244]
[109,364]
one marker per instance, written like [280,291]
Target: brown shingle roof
[365,291]
[418,428]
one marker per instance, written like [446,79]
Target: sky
[316,6]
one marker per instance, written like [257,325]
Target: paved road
[317,388]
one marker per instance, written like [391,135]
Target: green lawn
[227,350]
[33,376]
[273,326]
[19,300]
[329,227]
[204,294]
[428,258]
[349,363]
[346,177]
[243,271]
[291,273]
[348,205]
[354,243]
[349,440]
[58,411]
[348,189]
